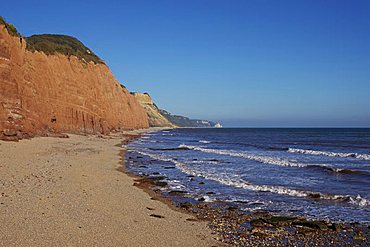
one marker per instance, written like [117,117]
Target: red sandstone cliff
[54,93]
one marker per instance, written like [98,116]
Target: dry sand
[68,192]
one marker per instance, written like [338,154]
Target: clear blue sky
[244,63]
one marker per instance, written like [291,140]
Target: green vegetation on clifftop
[12,30]
[55,43]
[63,44]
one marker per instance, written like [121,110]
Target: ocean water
[316,173]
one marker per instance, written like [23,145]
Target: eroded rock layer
[54,93]
[156,119]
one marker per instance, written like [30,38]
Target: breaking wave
[203,141]
[241,183]
[169,149]
[343,171]
[330,154]
[276,160]
[258,158]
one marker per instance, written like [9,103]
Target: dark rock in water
[139,157]
[311,224]
[169,167]
[195,159]
[334,227]
[142,166]
[210,193]
[201,182]
[213,160]
[232,208]
[161,184]
[314,195]
[277,219]
[176,192]
[152,180]
[186,205]
[257,223]
[190,176]
[202,199]
[243,202]
[155,173]
[156,178]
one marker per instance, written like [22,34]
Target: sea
[316,173]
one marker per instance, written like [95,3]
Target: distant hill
[155,118]
[161,118]
[182,121]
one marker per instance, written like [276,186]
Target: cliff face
[53,93]
[156,119]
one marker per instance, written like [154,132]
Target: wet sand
[69,191]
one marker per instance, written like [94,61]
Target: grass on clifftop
[12,30]
[63,44]
[53,43]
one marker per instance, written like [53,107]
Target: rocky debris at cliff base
[13,135]
[263,228]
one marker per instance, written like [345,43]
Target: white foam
[207,198]
[204,141]
[249,202]
[206,162]
[330,154]
[266,159]
[258,158]
[359,201]
[175,185]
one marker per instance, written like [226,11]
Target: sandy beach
[70,192]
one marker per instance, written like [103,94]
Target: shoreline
[70,192]
[139,181]
[262,227]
